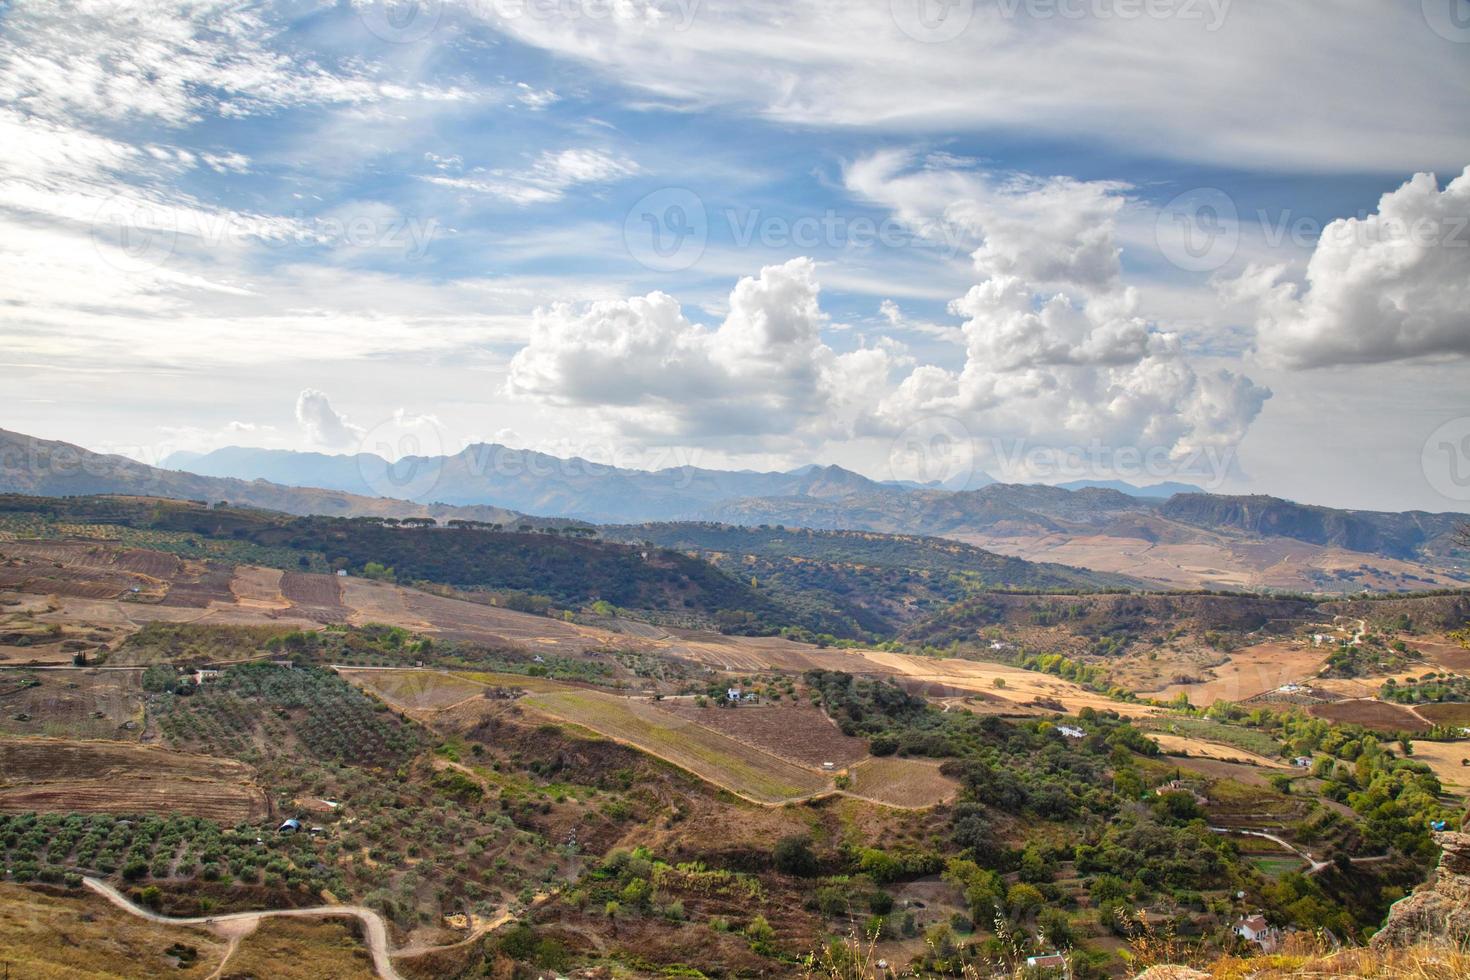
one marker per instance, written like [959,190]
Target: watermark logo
[134,236]
[402,457]
[1450,19]
[1198,231]
[932,21]
[1210,13]
[1022,461]
[1446,459]
[667,230]
[938,450]
[401,21]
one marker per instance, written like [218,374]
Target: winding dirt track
[377,932]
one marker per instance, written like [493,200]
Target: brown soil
[1377,715]
[1253,671]
[70,776]
[801,733]
[1446,713]
[71,701]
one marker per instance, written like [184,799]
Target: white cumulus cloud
[1389,286]
[764,370]
[323,425]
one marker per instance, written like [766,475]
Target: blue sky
[1071,234]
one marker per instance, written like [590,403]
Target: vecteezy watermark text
[941,450]
[669,229]
[408,21]
[938,21]
[134,234]
[1200,230]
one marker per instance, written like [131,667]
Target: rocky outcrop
[1437,909]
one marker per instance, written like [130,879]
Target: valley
[214,722]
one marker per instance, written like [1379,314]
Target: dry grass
[296,949]
[907,783]
[1252,671]
[1448,760]
[55,937]
[1307,956]
[48,775]
[1200,748]
[742,769]
[1019,688]
[415,690]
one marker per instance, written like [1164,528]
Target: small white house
[1047,961]
[1302,762]
[732,694]
[292,826]
[1252,928]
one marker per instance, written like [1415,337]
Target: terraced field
[48,775]
[719,759]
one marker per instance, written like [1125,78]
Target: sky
[1215,241]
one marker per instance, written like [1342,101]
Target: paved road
[377,931]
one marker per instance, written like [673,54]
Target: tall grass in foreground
[1303,955]
[1310,956]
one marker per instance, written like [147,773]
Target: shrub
[793,856]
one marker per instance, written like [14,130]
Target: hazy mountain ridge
[1401,535]
[498,484]
[54,469]
[533,482]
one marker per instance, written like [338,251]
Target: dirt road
[235,925]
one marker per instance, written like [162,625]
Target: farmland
[801,733]
[1252,671]
[721,760]
[262,707]
[64,776]
[82,704]
[1449,760]
[1446,713]
[902,782]
[1370,713]
[766,753]
[417,690]
[1197,747]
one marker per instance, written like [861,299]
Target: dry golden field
[49,775]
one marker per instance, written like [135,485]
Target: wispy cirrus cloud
[547,179]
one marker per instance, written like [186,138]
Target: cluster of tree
[1430,687]
[253,704]
[60,848]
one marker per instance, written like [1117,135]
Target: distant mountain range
[59,469]
[1187,538]
[537,483]
[532,482]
